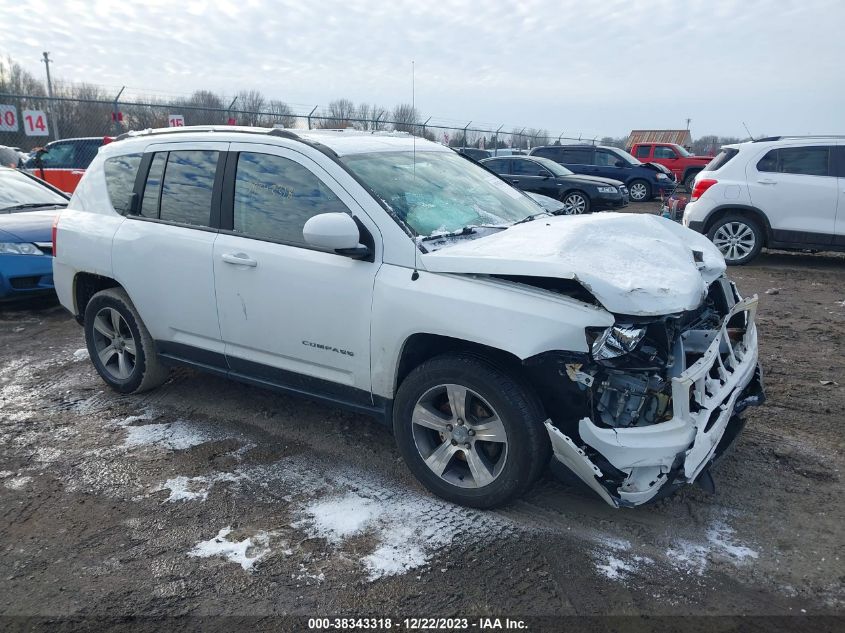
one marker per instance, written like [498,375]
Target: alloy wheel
[575,203]
[734,240]
[459,436]
[114,343]
[638,191]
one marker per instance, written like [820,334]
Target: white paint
[633,264]
[245,553]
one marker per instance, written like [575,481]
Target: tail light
[55,231]
[700,187]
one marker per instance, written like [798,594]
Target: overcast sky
[597,68]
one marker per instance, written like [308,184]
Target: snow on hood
[633,264]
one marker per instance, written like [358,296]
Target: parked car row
[643,180]
[581,194]
[683,165]
[28,208]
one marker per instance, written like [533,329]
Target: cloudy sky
[572,66]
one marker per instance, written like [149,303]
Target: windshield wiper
[531,217]
[31,205]
[467,230]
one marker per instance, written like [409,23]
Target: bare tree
[537,136]
[250,107]
[339,114]
[406,118]
[279,113]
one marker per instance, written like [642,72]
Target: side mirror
[336,232]
[545,175]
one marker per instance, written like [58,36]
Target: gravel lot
[207,497]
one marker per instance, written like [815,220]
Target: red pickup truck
[681,163]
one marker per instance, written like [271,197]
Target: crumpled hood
[28,226]
[633,264]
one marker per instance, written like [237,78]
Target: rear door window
[187,186]
[807,161]
[578,156]
[120,172]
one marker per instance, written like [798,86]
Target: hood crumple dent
[641,265]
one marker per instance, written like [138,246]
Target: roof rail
[796,136]
[284,133]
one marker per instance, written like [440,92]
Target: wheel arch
[739,209]
[85,286]
[423,346]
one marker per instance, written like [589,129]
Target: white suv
[394,277]
[780,192]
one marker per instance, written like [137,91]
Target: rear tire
[639,191]
[738,237]
[120,346]
[442,412]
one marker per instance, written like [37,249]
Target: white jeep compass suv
[779,192]
[394,277]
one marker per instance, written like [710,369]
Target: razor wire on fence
[30,121]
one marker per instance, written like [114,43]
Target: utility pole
[53,123]
[688,122]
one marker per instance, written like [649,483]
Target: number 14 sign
[35,123]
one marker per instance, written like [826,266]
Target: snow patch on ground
[176,435]
[18,483]
[80,354]
[245,553]
[195,488]
[695,557]
[405,540]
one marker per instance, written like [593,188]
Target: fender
[520,320]
[715,212]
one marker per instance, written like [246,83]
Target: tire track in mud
[285,454]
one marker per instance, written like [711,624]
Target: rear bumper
[25,275]
[707,399]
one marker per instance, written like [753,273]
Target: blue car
[28,207]
[643,180]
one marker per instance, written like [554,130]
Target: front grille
[24,283]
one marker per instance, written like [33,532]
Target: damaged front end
[660,398]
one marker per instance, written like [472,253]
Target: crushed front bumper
[706,398]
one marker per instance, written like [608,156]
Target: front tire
[120,345]
[739,238]
[639,191]
[469,431]
[577,203]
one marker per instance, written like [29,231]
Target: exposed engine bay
[661,397]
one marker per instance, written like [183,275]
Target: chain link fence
[30,121]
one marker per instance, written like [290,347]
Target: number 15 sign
[34,123]
[176,120]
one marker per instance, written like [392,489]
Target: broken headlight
[617,340]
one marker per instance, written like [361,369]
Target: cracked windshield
[440,192]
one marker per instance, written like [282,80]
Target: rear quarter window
[721,159]
[120,174]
